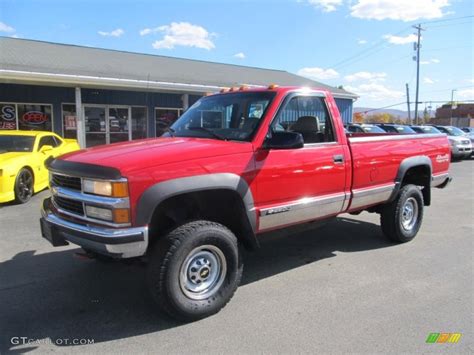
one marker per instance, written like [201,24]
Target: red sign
[35,117]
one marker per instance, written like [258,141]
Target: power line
[365,50]
[450,24]
[447,19]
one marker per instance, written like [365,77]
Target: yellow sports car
[22,157]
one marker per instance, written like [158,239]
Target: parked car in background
[469,133]
[425,129]
[461,146]
[364,128]
[22,157]
[395,128]
[191,199]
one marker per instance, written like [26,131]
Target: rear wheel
[23,186]
[401,219]
[194,270]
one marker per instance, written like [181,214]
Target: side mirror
[283,140]
[46,148]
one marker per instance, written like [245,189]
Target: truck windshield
[15,143]
[231,116]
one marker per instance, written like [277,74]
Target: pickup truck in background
[236,164]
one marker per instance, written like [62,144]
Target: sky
[364,45]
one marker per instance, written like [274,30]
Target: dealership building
[116,95]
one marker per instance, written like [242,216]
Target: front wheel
[401,219]
[23,186]
[194,270]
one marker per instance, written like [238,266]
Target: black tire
[24,183]
[395,217]
[170,270]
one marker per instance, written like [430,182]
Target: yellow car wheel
[23,186]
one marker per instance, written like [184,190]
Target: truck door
[302,184]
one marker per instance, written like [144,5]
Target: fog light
[99,213]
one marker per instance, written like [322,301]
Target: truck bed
[377,158]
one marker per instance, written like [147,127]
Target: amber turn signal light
[119,189]
[121,215]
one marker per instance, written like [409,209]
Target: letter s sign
[8,113]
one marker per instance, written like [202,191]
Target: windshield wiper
[208,130]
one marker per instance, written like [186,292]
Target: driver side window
[307,115]
[47,140]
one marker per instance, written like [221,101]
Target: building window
[28,117]
[165,117]
[69,121]
[8,118]
[139,122]
[33,117]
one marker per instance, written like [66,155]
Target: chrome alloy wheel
[409,213]
[202,272]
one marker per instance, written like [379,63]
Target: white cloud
[375,92]
[403,10]
[5,28]
[239,55]
[316,73]
[429,81]
[401,40]
[115,33]
[326,5]
[466,94]
[361,41]
[363,75]
[430,61]
[181,34]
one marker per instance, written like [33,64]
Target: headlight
[105,188]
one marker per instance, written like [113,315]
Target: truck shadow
[60,296]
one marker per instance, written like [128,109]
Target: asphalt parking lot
[339,288]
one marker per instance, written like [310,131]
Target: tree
[358,117]
[382,117]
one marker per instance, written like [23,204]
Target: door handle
[338,159]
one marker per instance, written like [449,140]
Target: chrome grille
[70,182]
[69,205]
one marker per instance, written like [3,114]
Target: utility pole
[452,107]
[408,104]
[417,58]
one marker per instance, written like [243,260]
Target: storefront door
[95,125]
[106,124]
[118,124]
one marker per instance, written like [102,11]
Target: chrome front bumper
[116,242]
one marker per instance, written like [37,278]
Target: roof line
[139,53]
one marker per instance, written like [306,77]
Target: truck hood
[134,155]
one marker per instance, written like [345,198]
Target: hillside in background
[397,113]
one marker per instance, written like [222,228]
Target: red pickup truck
[234,165]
